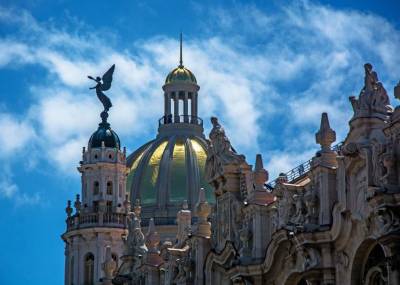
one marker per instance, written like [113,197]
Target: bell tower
[99,218]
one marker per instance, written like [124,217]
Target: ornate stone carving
[373,98]
[383,221]
[152,241]
[299,214]
[109,267]
[68,209]
[312,207]
[184,218]
[245,236]
[77,205]
[307,257]
[136,241]
[202,210]
[220,152]
[342,258]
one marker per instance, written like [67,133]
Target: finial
[77,204]
[185,205]
[152,227]
[137,208]
[325,136]
[68,210]
[180,52]
[202,210]
[259,163]
[260,174]
[202,195]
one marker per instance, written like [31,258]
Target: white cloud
[10,191]
[15,134]
[268,76]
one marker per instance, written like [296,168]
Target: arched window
[89,269]
[109,188]
[120,190]
[96,187]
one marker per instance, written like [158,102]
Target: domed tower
[168,170]
[100,216]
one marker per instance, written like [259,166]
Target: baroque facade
[332,220]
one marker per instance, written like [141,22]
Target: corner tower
[168,170]
[100,216]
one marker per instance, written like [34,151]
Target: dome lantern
[181,92]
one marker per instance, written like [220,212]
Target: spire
[325,136]
[259,163]
[180,52]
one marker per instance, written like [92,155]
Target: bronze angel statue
[104,84]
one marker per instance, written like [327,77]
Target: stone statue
[373,98]
[136,240]
[220,151]
[104,84]
[298,217]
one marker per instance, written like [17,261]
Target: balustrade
[99,219]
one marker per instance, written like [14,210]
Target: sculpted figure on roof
[373,98]
[220,151]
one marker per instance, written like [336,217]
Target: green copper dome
[180,74]
[104,134]
[166,171]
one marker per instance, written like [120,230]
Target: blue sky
[267,70]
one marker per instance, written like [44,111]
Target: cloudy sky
[267,71]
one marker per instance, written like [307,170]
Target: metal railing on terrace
[185,119]
[299,170]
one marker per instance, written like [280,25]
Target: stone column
[195,104]
[176,107]
[185,108]
[165,107]
[194,107]
[192,111]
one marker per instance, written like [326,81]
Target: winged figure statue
[104,84]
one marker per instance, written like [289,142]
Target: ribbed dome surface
[167,171]
[104,134]
[180,74]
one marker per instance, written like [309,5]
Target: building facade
[332,220]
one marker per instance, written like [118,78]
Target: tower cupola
[180,99]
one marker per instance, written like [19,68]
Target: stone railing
[100,219]
[299,170]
